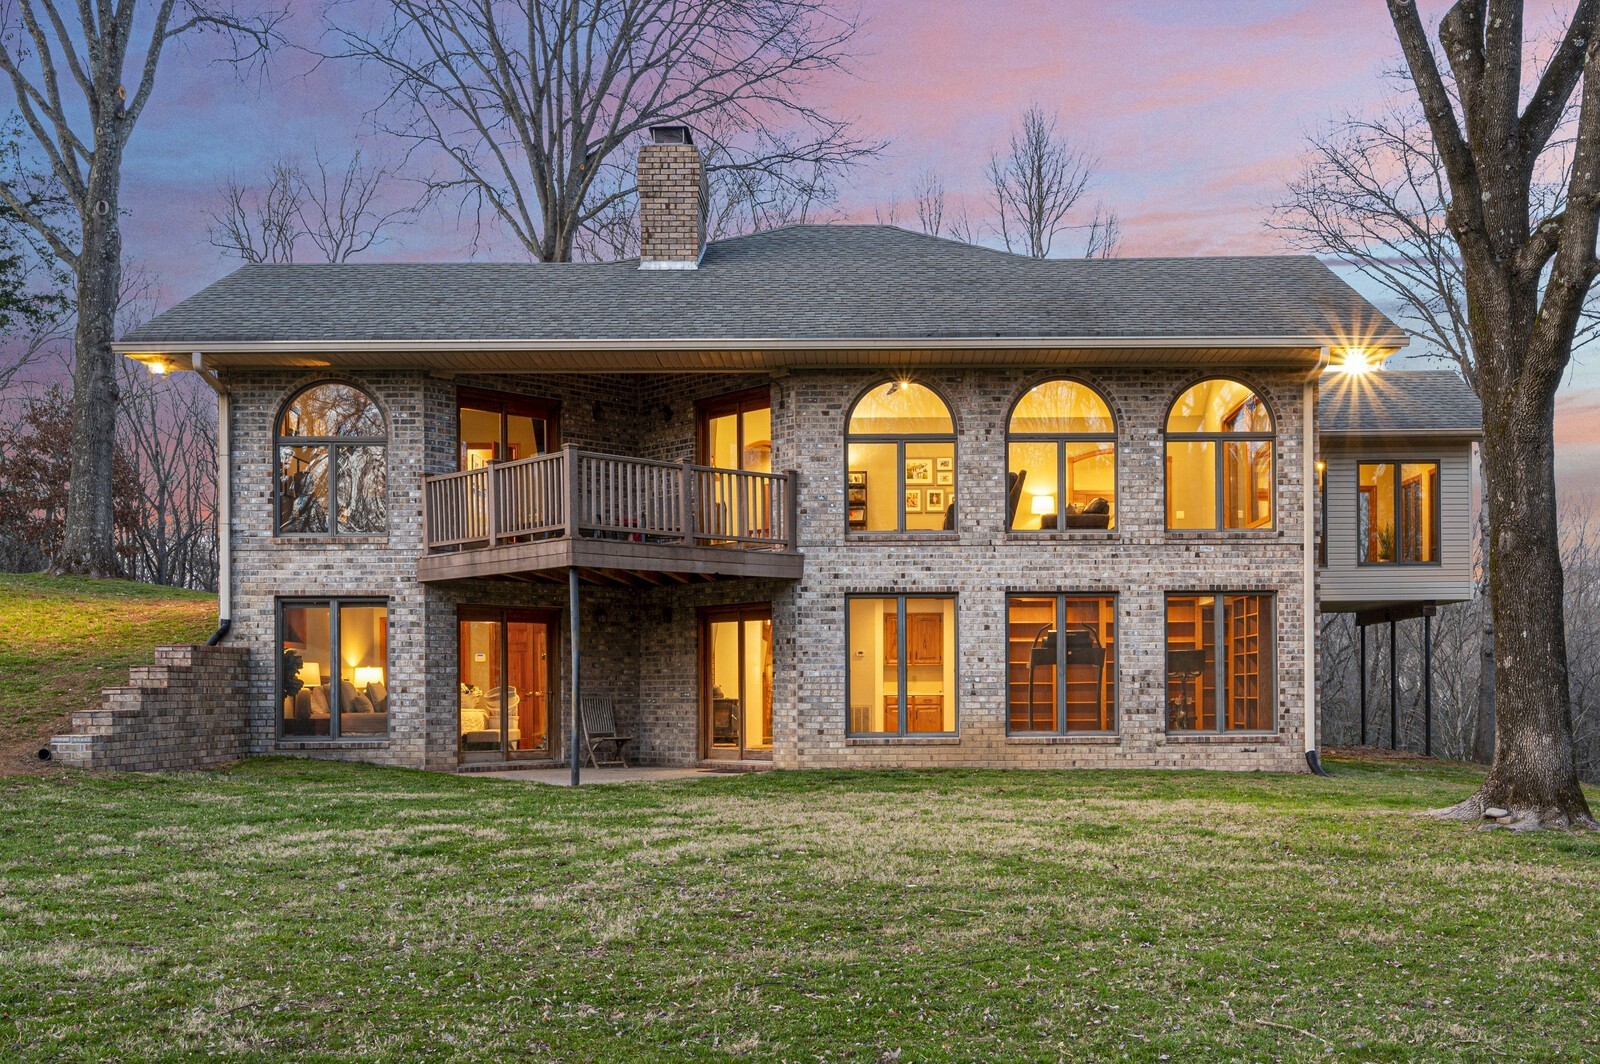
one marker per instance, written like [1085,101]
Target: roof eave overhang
[1391,436]
[747,353]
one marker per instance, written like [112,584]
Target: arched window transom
[900,467]
[1061,459]
[332,475]
[1219,458]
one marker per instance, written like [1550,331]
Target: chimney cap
[678,134]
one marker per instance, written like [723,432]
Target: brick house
[823,496]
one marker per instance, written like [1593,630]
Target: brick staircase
[186,711]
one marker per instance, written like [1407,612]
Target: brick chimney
[672,201]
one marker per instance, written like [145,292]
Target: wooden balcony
[617,520]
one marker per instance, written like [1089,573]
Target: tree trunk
[1533,774]
[1483,735]
[89,546]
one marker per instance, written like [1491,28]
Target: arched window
[1219,458]
[331,470]
[900,467]
[1061,447]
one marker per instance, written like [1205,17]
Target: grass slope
[301,910]
[62,639]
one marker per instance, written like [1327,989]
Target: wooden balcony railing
[577,493]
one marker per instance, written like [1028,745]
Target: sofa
[307,711]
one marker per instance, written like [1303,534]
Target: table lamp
[311,674]
[367,675]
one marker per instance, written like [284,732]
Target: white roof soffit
[749,355]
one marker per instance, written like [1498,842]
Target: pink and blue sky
[1197,110]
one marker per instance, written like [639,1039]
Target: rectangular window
[1220,663]
[1397,513]
[902,665]
[327,694]
[1061,664]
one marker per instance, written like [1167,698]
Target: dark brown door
[736,682]
[736,431]
[496,427]
[505,679]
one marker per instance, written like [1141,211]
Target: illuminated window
[1397,513]
[1061,663]
[333,660]
[1061,459]
[1220,644]
[332,477]
[902,667]
[496,427]
[900,468]
[1219,458]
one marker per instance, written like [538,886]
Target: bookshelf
[1090,694]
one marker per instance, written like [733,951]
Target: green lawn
[299,910]
[62,639]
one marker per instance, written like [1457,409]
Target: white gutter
[912,343]
[224,495]
[1308,475]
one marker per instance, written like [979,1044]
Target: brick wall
[187,711]
[642,646]
[980,563]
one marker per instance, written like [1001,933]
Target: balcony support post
[574,644]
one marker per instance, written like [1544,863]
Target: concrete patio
[562,777]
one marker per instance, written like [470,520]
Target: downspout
[1308,478]
[224,502]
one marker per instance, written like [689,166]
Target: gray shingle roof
[1397,402]
[822,282]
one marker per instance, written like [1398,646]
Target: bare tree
[259,224]
[1373,194]
[1526,275]
[82,139]
[889,212]
[167,436]
[340,210]
[962,227]
[928,194]
[1038,183]
[1105,235]
[529,99]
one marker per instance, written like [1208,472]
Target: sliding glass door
[736,682]
[506,680]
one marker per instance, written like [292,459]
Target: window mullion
[1061,665]
[1219,666]
[333,489]
[900,638]
[335,684]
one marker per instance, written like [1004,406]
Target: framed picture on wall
[858,476]
[913,500]
[945,478]
[945,465]
[919,470]
[934,500]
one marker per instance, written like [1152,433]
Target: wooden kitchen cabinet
[924,639]
[924,713]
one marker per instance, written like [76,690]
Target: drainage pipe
[1308,601]
[224,501]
